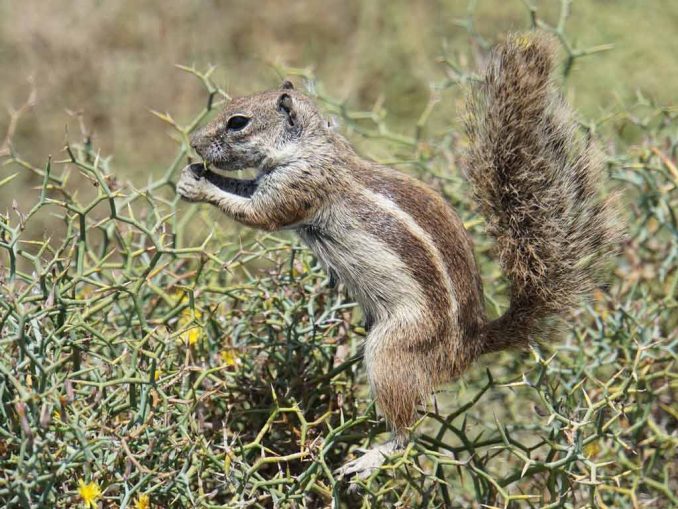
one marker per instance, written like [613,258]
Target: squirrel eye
[237,122]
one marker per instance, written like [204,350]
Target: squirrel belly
[396,244]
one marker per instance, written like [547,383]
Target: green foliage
[149,350]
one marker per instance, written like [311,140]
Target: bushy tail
[537,183]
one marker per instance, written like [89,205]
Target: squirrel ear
[287,85]
[286,107]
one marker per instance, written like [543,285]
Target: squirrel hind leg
[399,385]
[398,376]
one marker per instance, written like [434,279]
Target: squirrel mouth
[202,170]
[199,169]
[206,165]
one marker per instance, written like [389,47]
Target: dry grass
[113,61]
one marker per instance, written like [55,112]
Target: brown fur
[396,244]
[537,183]
[450,237]
[418,261]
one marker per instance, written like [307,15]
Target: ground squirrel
[398,247]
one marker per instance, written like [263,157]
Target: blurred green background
[113,61]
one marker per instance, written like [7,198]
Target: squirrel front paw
[189,186]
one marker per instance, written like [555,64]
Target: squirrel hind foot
[373,458]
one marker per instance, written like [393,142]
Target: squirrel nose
[202,139]
[195,141]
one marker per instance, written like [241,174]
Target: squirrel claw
[189,184]
[366,464]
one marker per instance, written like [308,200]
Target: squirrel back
[537,183]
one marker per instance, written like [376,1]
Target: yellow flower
[600,305]
[229,357]
[193,334]
[143,502]
[179,295]
[89,493]
[228,459]
[84,293]
[524,41]
[591,449]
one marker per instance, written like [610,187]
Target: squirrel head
[263,130]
